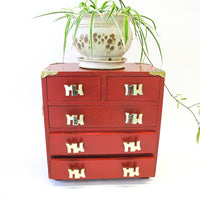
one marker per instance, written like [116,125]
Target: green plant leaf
[52,13]
[122,4]
[82,4]
[96,11]
[198,135]
[154,37]
[150,20]
[178,103]
[120,33]
[145,41]
[92,2]
[76,23]
[66,34]
[145,26]
[178,95]
[111,11]
[104,5]
[142,48]
[158,45]
[138,15]
[142,40]
[91,31]
[127,10]
[126,28]
[62,17]
[134,25]
[92,6]
[183,99]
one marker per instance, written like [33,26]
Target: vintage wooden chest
[102,124]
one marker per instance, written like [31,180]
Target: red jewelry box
[102,123]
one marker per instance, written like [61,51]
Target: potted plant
[102,34]
[102,48]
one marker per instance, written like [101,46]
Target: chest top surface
[133,69]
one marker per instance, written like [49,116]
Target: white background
[27,46]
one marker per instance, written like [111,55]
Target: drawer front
[126,116]
[102,168]
[102,143]
[133,88]
[73,88]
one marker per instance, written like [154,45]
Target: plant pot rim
[104,14]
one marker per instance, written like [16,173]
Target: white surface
[27,46]
[101,64]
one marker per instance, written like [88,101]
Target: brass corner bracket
[158,72]
[48,73]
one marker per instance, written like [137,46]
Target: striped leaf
[111,11]
[198,135]
[126,28]
[66,34]
[91,31]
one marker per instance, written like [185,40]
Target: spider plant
[142,25]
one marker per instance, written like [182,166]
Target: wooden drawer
[73,88]
[102,143]
[102,168]
[133,88]
[137,115]
[102,124]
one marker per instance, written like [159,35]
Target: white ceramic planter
[107,42]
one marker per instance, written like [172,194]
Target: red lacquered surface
[102,116]
[102,168]
[104,131]
[72,68]
[91,88]
[116,88]
[103,143]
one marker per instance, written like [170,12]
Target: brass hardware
[76,173]
[158,72]
[134,88]
[132,146]
[46,73]
[131,172]
[134,118]
[75,120]
[75,147]
[74,91]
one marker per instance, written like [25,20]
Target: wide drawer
[133,88]
[102,168]
[102,143]
[137,115]
[73,88]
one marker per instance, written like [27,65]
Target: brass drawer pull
[74,91]
[134,118]
[132,146]
[75,120]
[77,173]
[131,172]
[75,147]
[135,89]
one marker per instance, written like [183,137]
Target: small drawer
[133,88]
[126,116]
[102,168]
[73,88]
[102,143]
